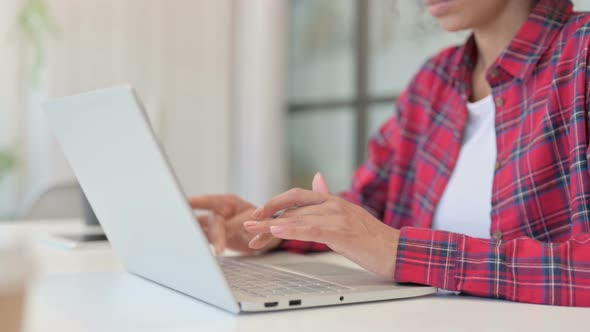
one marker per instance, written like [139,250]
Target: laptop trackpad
[338,274]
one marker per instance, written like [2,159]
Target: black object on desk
[89,216]
[90,220]
[91,233]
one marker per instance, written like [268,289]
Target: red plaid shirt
[539,246]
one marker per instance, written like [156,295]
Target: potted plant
[7,162]
[34,25]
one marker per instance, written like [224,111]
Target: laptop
[108,141]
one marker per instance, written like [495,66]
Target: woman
[481,183]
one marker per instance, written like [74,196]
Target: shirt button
[497,235]
[499,101]
[494,73]
[498,165]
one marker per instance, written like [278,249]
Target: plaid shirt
[539,245]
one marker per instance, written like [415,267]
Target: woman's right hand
[224,224]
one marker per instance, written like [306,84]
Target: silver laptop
[123,171]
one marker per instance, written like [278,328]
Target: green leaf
[35,24]
[7,161]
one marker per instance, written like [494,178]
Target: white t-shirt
[466,203]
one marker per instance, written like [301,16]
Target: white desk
[87,290]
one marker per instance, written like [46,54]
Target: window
[348,61]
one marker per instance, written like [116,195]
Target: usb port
[270,304]
[294,302]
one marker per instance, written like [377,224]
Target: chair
[58,201]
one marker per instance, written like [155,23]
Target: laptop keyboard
[262,281]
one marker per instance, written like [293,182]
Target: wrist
[272,245]
[389,252]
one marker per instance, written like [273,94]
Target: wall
[176,54]
[258,168]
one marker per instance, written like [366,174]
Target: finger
[259,227]
[302,232]
[302,211]
[319,184]
[234,230]
[220,204]
[204,223]
[292,198]
[217,225]
[292,215]
[260,241]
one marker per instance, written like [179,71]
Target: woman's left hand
[318,216]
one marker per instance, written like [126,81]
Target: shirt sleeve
[522,269]
[370,181]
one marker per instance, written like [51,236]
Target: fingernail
[250,223]
[276,229]
[253,243]
[258,212]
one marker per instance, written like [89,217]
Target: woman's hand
[224,228]
[317,216]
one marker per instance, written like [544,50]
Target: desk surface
[86,289]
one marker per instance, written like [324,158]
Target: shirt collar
[526,48]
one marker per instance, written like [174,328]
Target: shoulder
[438,68]
[575,33]
[434,76]
[578,24]
[429,91]
[570,51]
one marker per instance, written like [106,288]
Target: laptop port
[294,302]
[270,304]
